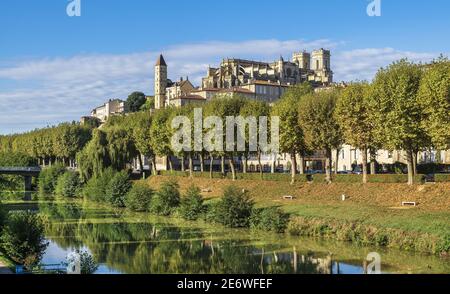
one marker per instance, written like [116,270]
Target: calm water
[123,242]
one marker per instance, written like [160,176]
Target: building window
[317,64]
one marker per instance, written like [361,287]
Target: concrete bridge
[28,173]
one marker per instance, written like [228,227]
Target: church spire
[161,61]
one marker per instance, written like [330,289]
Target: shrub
[234,209]
[68,185]
[442,178]
[269,219]
[96,187]
[48,179]
[192,206]
[118,188]
[167,199]
[23,238]
[139,197]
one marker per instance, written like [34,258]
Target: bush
[192,206]
[118,188]
[48,179]
[68,185]
[139,197]
[167,199]
[96,187]
[23,238]
[442,178]
[234,209]
[269,219]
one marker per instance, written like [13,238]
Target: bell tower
[160,82]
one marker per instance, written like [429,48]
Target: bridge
[28,173]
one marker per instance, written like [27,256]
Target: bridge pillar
[28,181]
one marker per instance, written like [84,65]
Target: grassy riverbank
[371,215]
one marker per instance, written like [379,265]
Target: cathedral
[252,79]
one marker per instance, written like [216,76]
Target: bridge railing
[20,169]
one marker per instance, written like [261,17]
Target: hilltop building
[112,107]
[251,79]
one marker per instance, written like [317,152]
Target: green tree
[167,199]
[234,208]
[398,118]
[68,185]
[319,124]
[118,188]
[23,238]
[160,136]
[192,206]
[257,109]
[292,139]
[434,99]
[135,101]
[353,114]
[139,198]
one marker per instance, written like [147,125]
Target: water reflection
[136,243]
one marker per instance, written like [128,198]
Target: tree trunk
[191,166]
[273,165]
[336,163]
[211,162]
[141,165]
[182,164]
[202,163]
[364,164]
[293,167]
[244,165]
[169,159]
[415,155]
[260,165]
[233,171]
[373,159]
[409,160]
[154,170]
[328,165]
[222,164]
[302,164]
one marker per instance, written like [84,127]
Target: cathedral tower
[160,82]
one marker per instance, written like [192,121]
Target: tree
[320,127]
[135,101]
[292,140]
[160,136]
[142,137]
[353,114]
[257,109]
[23,238]
[398,118]
[434,100]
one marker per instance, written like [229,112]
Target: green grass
[436,223]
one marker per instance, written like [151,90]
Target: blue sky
[55,68]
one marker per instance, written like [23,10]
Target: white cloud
[52,90]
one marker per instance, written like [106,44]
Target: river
[135,243]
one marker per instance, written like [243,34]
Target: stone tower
[303,60]
[321,60]
[321,64]
[160,82]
